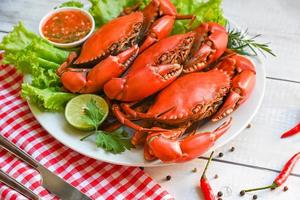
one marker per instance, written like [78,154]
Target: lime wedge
[74,111]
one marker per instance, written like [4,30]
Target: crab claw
[242,85]
[135,87]
[210,44]
[159,30]
[92,80]
[163,146]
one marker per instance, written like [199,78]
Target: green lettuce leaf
[46,78]
[18,39]
[205,11]
[76,4]
[48,98]
[27,61]
[37,54]
[104,11]
[31,54]
[47,51]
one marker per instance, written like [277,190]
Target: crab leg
[163,26]
[162,146]
[173,134]
[126,107]
[127,122]
[92,80]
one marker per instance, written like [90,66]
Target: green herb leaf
[93,115]
[242,43]
[114,142]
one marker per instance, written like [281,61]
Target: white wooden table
[260,153]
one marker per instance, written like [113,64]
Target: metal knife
[50,181]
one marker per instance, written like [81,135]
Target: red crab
[112,48]
[206,43]
[152,70]
[191,98]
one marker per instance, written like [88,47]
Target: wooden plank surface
[184,184]
[278,22]
[259,151]
[261,145]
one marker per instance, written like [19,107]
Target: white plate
[57,126]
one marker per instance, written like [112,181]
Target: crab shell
[111,38]
[153,70]
[191,97]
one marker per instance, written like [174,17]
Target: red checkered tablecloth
[98,180]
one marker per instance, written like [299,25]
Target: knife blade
[50,181]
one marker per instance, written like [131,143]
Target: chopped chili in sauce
[67,26]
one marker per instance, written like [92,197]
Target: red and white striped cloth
[98,180]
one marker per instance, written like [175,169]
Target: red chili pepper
[204,184]
[287,170]
[292,132]
[283,175]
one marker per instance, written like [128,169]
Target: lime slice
[75,110]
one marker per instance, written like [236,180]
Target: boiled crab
[153,70]
[193,51]
[191,98]
[111,49]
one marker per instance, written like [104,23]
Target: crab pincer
[85,80]
[163,146]
[243,81]
[210,43]
[153,70]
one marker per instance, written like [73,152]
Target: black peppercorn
[168,177]
[242,193]
[255,196]
[221,154]
[220,194]
[285,188]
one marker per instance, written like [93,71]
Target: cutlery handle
[10,147]
[9,181]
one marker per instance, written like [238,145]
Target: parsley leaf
[92,114]
[115,142]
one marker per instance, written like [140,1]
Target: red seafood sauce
[67,26]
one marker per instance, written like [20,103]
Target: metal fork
[9,181]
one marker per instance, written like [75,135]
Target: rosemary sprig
[241,43]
